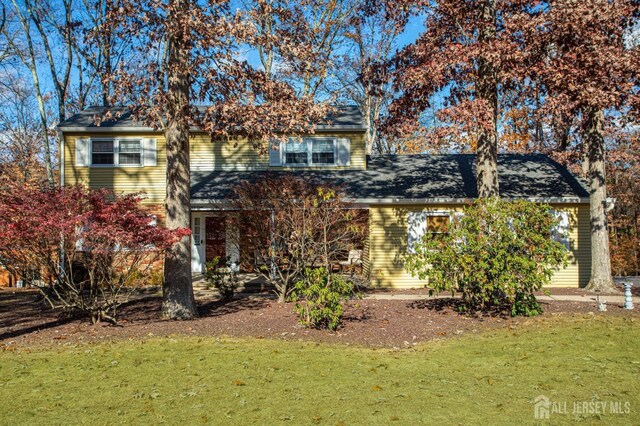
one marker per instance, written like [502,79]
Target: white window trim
[116,152]
[425,214]
[556,235]
[309,163]
[197,225]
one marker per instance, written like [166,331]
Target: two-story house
[406,195]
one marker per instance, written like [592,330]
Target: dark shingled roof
[415,178]
[346,118]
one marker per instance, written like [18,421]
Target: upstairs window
[296,152]
[129,152]
[323,151]
[102,152]
[310,151]
[116,152]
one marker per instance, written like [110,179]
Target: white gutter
[220,204]
[98,129]
[144,129]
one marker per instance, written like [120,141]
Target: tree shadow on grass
[455,305]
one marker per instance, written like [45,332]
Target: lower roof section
[416,179]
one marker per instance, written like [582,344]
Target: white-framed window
[560,232]
[197,231]
[103,152]
[433,223]
[310,151]
[116,152]
[130,152]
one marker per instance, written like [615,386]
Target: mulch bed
[24,321]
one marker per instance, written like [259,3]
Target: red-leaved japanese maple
[88,249]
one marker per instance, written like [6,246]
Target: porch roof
[417,179]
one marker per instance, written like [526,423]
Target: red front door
[215,244]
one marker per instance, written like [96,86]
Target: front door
[215,241]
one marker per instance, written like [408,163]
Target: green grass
[488,378]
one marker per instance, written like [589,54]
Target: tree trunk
[600,259]
[562,131]
[178,302]
[487,150]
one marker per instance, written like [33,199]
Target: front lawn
[491,377]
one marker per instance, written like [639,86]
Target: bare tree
[321,26]
[371,40]
[20,39]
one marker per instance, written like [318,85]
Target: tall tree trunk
[487,150]
[562,131]
[600,259]
[178,302]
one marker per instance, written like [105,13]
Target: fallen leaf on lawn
[376,388]
[238,383]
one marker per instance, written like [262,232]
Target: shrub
[497,254]
[321,297]
[91,248]
[304,224]
[223,276]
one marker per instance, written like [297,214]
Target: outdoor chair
[354,259]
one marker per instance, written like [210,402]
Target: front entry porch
[212,235]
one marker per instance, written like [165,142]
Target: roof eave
[119,129]
[204,204]
[97,129]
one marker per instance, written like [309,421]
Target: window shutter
[344,152]
[275,153]
[416,228]
[83,152]
[149,152]
[560,232]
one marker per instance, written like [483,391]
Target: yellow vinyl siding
[148,180]
[242,155]
[388,242]
[206,155]
[579,268]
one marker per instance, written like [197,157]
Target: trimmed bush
[223,275]
[497,254]
[321,297]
